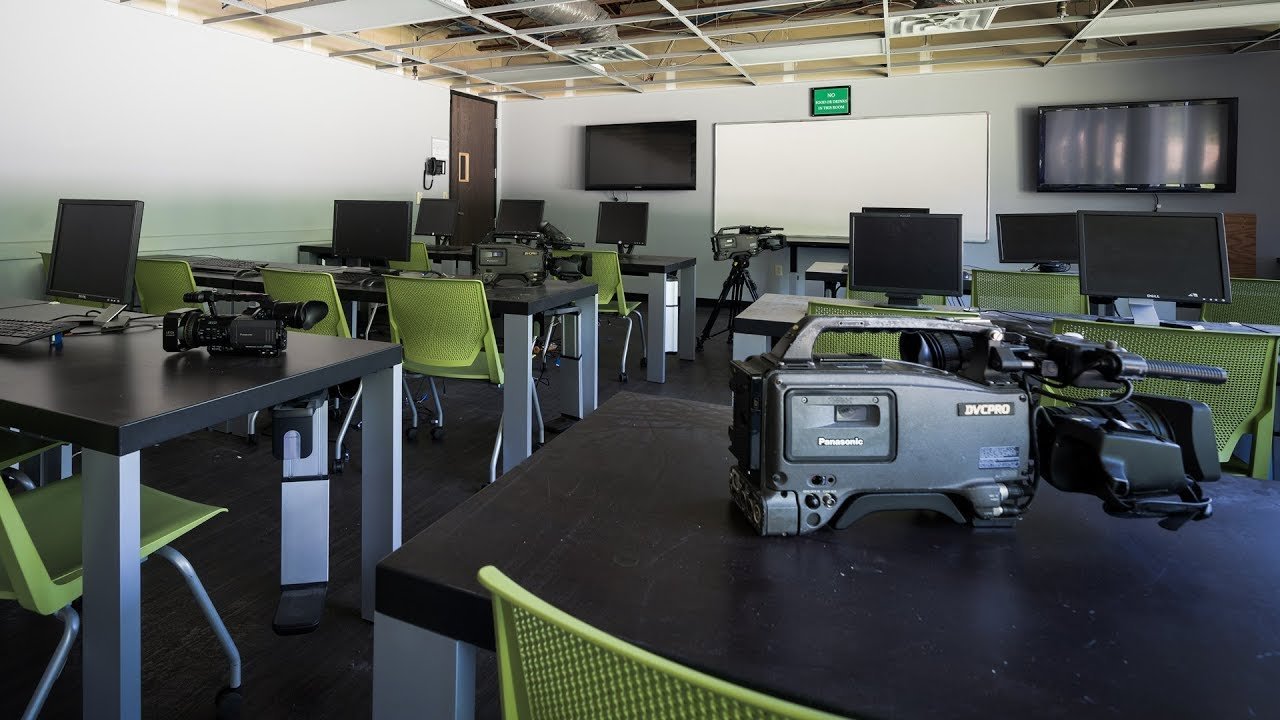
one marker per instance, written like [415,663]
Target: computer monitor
[436,217]
[625,224]
[913,211]
[1179,257]
[1048,240]
[519,215]
[95,245]
[373,230]
[906,255]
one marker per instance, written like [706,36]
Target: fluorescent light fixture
[352,15]
[1176,18]
[610,53]
[543,72]
[962,21]
[818,49]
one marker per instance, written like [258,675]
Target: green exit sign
[829,101]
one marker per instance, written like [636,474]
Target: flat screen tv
[642,156]
[1151,146]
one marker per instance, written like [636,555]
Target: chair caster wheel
[437,433]
[411,434]
[228,703]
[251,439]
[698,345]
[644,362]
[337,467]
[622,377]
[357,424]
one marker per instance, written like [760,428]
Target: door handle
[464,167]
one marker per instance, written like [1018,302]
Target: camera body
[529,257]
[823,441]
[260,330]
[746,241]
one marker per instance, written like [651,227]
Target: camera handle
[796,347]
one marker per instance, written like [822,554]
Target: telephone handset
[432,167]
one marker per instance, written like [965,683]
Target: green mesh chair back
[444,326]
[44,262]
[419,259]
[303,285]
[552,665]
[1030,291]
[606,273]
[1252,301]
[161,284]
[881,345]
[1244,405]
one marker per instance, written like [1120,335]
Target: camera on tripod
[529,257]
[746,240]
[824,441]
[259,330]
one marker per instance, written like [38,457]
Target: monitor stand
[382,270]
[1053,266]
[109,319]
[443,240]
[904,302]
[625,249]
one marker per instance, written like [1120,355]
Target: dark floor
[326,674]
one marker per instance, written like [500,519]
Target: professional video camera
[746,240]
[259,330]
[827,440]
[529,257]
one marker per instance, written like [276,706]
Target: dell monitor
[906,255]
[95,245]
[374,230]
[436,217]
[899,210]
[1178,257]
[519,215]
[625,224]
[1048,241]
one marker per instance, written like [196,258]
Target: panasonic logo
[984,409]
[839,442]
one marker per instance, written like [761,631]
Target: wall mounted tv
[642,156]
[1150,146]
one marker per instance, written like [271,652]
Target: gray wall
[541,144]
[237,147]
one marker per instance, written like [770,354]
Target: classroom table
[516,305]
[115,394]
[832,275]
[322,254]
[656,268]
[626,524]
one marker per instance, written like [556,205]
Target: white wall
[237,147]
[541,148]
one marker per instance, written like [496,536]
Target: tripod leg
[715,311]
[751,285]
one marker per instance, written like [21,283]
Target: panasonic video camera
[259,330]
[956,427]
[529,257]
[746,241]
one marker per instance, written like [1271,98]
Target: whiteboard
[807,176]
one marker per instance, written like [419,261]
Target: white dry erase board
[808,175]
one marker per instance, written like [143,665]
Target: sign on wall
[829,101]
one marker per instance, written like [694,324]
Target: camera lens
[944,351]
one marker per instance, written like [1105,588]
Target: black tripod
[739,277]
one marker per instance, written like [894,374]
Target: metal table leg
[420,674]
[517,401]
[380,490]
[688,313]
[656,328]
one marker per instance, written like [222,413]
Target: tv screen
[642,156]
[1167,146]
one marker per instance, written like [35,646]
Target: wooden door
[473,142]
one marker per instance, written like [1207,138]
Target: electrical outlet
[777,270]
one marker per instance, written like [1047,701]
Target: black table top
[626,523]
[817,241]
[645,264]
[121,392]
[503,299]
[435,252]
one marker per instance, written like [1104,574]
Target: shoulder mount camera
[529,257]
[824,441]
[259,330]
[746,241]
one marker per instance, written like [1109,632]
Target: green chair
[41,566]
[419,259]
[881,345]
[552,665]
[300,286]
[162,283]
[1252,301]
[446,331]
[1057,293]
[44,261]
[16,447]
[606,273]
[1244,405]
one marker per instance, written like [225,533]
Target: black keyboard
[222,264]
[16,332]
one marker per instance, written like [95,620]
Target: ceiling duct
[609,47]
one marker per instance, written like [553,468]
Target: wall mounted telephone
[431,168]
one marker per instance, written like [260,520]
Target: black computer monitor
[1047,240]
[519,215]
[625,224]
[906,255]
[1179,257]
[374,230]
[913,211]
[436,217]
[95,245]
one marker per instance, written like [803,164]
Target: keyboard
[356,278]
[17,332]
[222,264]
